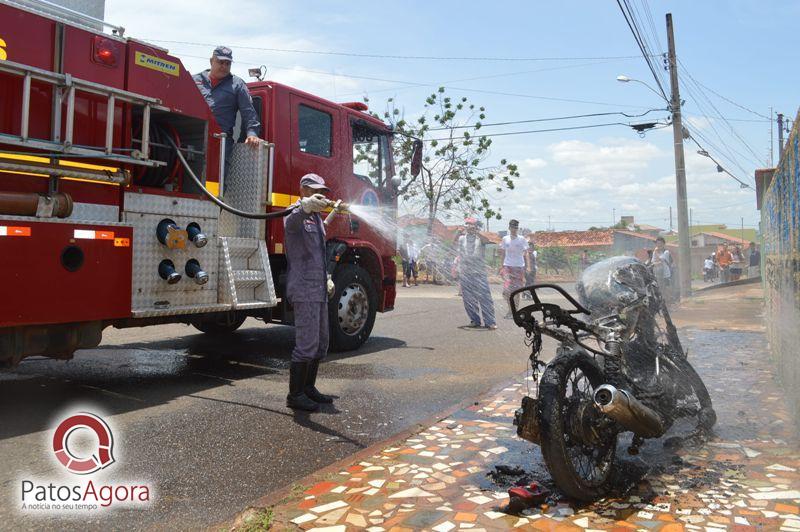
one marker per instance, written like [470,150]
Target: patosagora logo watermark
[83,446]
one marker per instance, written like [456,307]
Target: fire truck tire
[352,309]
[223,325]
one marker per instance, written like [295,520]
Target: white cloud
[534,164]
[615,159]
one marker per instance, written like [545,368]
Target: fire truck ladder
[64,88]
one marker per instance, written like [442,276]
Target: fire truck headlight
[196,234]
[166,270]
[195,271]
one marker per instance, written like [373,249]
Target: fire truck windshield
[371,158]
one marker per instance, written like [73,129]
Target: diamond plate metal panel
[151,295]
[245,275]
[245,189]
[92,212]
[169,206]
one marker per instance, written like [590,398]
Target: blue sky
[742,50]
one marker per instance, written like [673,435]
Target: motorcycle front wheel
[578,445]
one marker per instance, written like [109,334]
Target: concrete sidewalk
[456,472]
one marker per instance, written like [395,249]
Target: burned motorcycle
[619,367]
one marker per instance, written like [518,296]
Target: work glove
[315,203]
[331,287]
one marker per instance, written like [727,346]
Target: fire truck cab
[101,223]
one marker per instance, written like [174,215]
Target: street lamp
[625,79]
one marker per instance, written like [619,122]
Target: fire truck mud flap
[54,341]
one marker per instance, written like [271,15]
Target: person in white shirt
[514,262]
[708,269]
[661,259]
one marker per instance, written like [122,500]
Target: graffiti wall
[780,218]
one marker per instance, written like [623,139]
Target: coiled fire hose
[219,202]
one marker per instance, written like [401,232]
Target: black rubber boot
[310,389]
[296,399]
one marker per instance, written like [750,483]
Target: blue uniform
[306,283]
[474,281]
[225,99]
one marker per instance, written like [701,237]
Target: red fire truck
[102,224]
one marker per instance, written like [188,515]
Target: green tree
[554,258]
[456,174]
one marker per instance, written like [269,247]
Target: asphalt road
[203,419]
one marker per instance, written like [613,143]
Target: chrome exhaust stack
[625,409]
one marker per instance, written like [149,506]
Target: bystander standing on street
[709,269]
[724,260]
[584,259]
[754,268]
[513,262]
[474,281]
[662,262]
[409,256]
[533,265]
[737,262]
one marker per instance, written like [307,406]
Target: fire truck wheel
[352,309]
[222,325]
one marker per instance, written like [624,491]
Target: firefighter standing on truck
[226,94]
[308,287]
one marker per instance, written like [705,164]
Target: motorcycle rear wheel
[579,456]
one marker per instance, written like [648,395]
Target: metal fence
[780,220]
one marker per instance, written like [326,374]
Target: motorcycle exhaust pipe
[625,409]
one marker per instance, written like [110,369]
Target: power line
[717,149]
[490,76]
[728,152]
[719,114]
[548,98]
[418,84]
[740,106]
[719,166]
[537,131]
[393,56]
[642,47]
[570,117]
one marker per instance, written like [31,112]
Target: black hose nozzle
[195,271]
[196,234]
[166,270]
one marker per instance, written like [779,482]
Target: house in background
[707,239]
[574,242]
[651,230]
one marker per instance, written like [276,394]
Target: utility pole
[780,136]
[742,230]
[613,217]
[690,220]
[771,145]
[670,218]
[685,262]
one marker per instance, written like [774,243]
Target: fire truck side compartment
[64,272]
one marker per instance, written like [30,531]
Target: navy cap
[313,181]
[223,53]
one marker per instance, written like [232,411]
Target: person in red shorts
[514,262]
